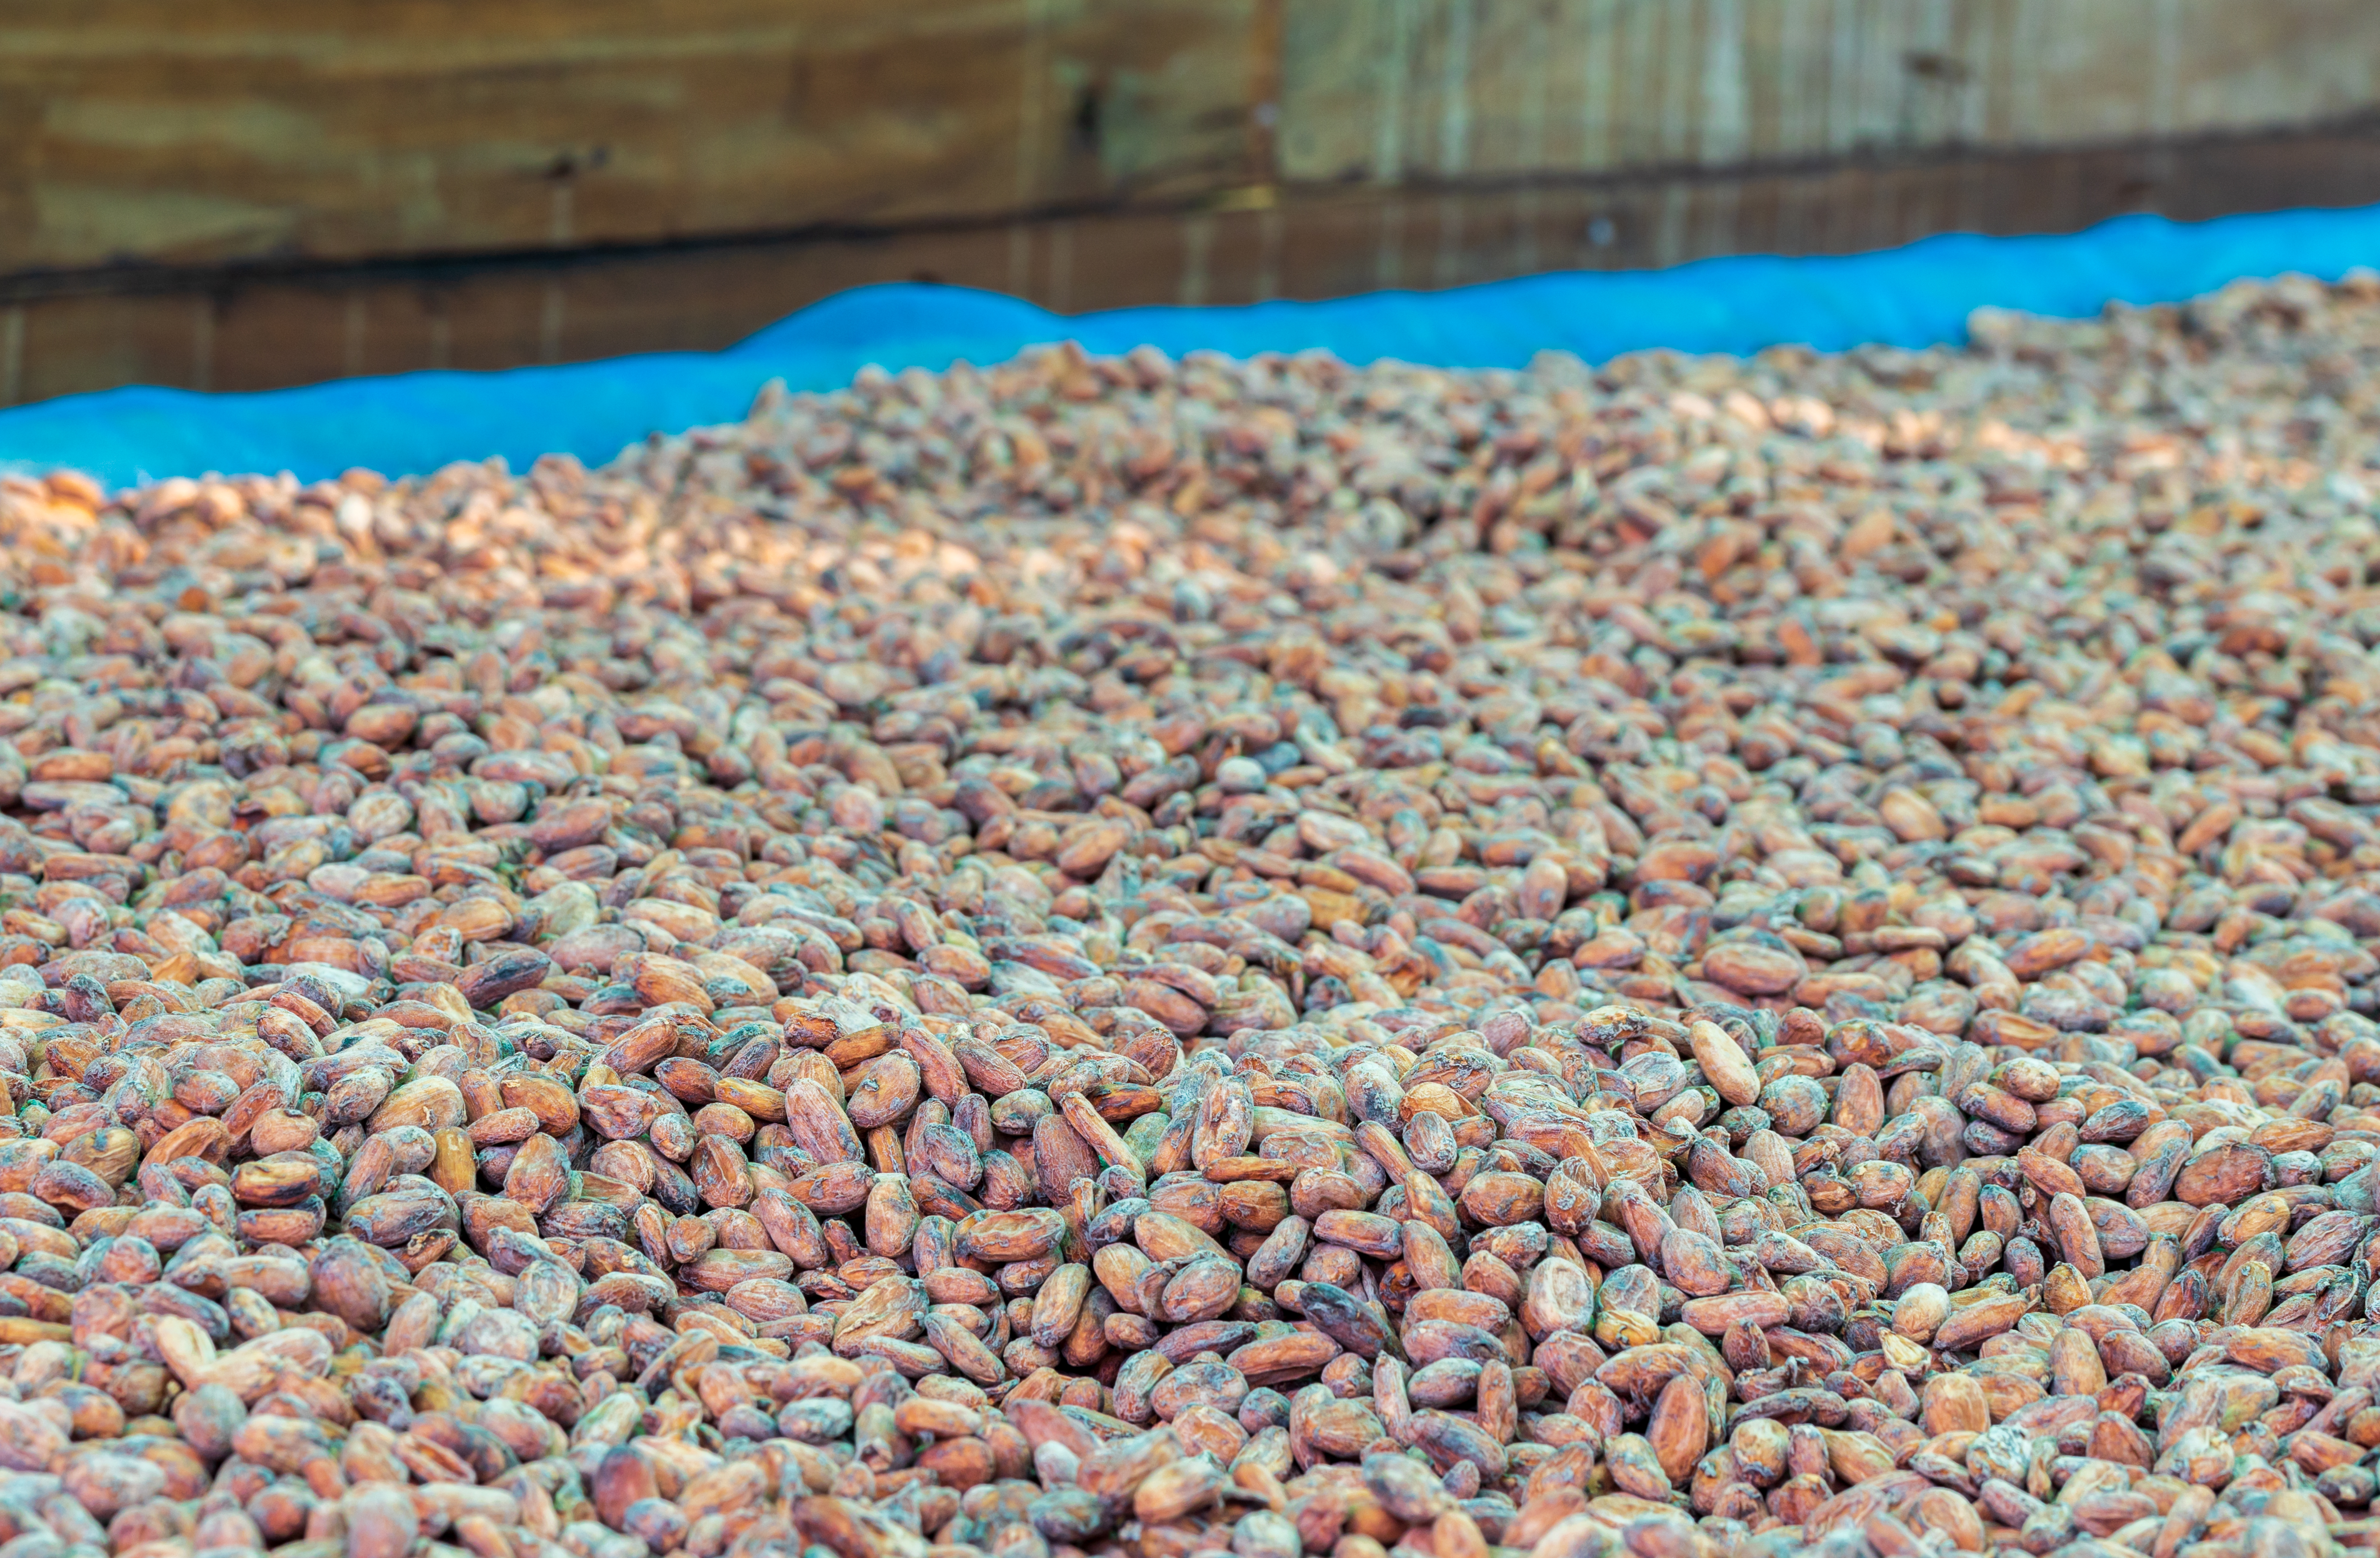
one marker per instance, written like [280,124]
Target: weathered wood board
[251,193]
[1449,91]
[347,129]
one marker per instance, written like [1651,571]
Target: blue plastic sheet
[1916,295]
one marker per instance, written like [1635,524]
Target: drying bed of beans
[1701,957]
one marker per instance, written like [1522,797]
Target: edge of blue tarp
[1919,295]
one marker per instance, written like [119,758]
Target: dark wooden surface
[254,194]
[153,131]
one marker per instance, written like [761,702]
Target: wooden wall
[251,193]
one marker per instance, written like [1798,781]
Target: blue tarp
[1917,296]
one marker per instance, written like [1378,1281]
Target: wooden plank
[1444,90]
[252,332]
[286,194]
[151,131]
[155,131]
[65,346]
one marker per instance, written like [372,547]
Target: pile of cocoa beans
[1706,958]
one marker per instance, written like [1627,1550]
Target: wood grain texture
[153,131]
[263,333]
[258,132]
[1449,91]
[252,193]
